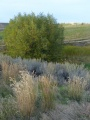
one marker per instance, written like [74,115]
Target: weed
[76,88]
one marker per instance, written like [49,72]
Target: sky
[64,11]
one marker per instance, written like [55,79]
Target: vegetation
[39,90]
[1,35]
[33,89]
[31,36]
[77,31]
[76,88]
[47,88]
[76,50]
[76,54]
[73,31]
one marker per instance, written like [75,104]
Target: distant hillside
[76,31]
[2,26]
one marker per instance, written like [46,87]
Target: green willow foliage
[31,36]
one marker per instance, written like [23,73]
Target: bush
[5,90]
[37,37]
[61,73]
[8,109]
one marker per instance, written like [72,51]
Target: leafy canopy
[31,36]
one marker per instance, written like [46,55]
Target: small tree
[33,36]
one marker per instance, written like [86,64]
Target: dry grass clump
[76,88]
[26,94]
[48,88]
[9,70]
[28,91]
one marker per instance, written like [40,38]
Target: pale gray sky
[62,10]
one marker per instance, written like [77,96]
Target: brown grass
[26,94]
[47,88]
[28,90]
[76,88]
[9,70]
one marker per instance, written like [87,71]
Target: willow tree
[31,36]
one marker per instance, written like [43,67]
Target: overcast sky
[63,10]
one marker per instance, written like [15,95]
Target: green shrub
[37,37]
[8,108]
[62,95]
[5,90]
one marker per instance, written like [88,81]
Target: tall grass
[47,88]
[26,94]
[76,50]
[34,96]
[76,88]
[28,90]
[9,70]
[76,54]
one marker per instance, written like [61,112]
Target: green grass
[63,97]
[76,31]
[87,65]
[76,54]
[76,50]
